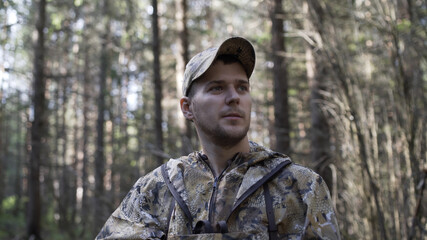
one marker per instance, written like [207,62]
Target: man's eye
[216,88]
[243,88]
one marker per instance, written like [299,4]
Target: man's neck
[218,155]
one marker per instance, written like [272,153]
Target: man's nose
[232,96]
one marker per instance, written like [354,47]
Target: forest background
[89,102]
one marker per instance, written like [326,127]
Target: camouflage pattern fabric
[301,201]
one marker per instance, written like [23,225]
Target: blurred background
[89,102]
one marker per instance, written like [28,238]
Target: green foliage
[12,225]
[403,26]
[293,92]
[78,3]
[56,20]
[9,203]
[263,38]
[6,3]
[352,47]
[50,225]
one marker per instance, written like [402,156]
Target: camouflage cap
[241,48]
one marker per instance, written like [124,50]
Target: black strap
[272,227]
[171,207]
[221,227]
[258,184]
[203,226]
[176,195]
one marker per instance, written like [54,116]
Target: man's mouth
[233,115]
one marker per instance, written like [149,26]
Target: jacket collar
[257,154]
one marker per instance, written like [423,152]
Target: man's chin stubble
[226,140]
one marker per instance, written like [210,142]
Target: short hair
[225,58]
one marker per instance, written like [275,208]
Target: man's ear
[185,103]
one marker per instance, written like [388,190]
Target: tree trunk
[113,178]
[74,167]
[157,85]
[63,167]
[85,210]
[128,179]
[182,58]
[99,204]
[319,132]
[38,128]
[140,126]
[335,53]
[409,60]
[2,168]
[19,157]
[280,79]
[5,152]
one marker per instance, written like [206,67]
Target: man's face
[221,105]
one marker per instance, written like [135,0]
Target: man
[233,188]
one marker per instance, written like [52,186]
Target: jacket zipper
[215,187]
[214,194]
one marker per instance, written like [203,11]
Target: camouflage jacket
[299,198]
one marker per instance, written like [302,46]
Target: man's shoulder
[271,159]
[173,164]
[303,178]
[294,171]
[300,170]
[182,161]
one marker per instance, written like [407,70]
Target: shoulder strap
[171,207]
[176,195]
[258,184]
[272,227]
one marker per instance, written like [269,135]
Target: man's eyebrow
[215,82]
[240,81]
